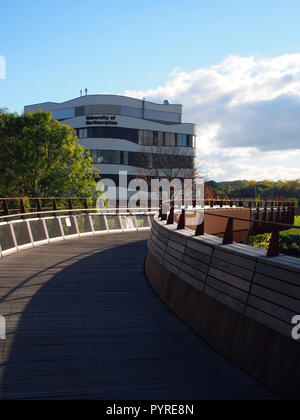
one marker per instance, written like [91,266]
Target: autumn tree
[41,157]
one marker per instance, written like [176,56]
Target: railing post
[55,207]
[23,210]
[228,235]
[272,212]
[292,217]
[181,223]
[164,217]
[170,220]
[255,227]
[86,206]
[274,246]
[200,228]
[38,206]
[160,211]
[5,208]
[278,215]
[264,227]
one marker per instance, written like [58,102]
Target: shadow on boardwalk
[83,322]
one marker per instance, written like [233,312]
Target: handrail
[36,203]
[26,230]
[284,225]
[274,247]
[98,211]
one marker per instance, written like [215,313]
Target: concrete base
[265,354]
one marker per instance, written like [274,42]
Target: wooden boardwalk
[83,323]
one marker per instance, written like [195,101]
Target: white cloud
[2,67]
[247,110]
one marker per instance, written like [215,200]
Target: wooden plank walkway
[83,323]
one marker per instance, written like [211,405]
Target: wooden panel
[197,283]
[272,310]
[177,246]
[235,259]
[179,238]
[196,264]
[199,256]
[269,321]
[224,299]
[276,298]
[230,279]
[198,275]
[227,289]
[282,287]
[232,269]
[279,273]
[200,246]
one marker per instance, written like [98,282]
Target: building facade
[118,130]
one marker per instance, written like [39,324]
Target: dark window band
[141,160]
[142,137]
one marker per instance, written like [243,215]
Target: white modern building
[118,129]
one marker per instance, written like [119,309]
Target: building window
[136,159]
[82,133]
[63,114]
[182,140]
[142,137]
[167,139]
[112,157]
[172,139]
[125,158]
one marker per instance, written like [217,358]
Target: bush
[289,244]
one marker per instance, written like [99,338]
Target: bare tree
[167,162]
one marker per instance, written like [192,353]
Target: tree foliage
[40,157]
[265,190]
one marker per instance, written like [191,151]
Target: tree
[41,157]
[167,162]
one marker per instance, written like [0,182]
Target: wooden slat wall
[241,277]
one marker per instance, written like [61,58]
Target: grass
[289,240]
[292,231]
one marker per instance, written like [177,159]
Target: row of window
[142,137]
[147,114]
[147,160]
[113,157]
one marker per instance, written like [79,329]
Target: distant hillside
[265,190]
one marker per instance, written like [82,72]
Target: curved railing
[15,205]
[27,230]
[270,221]
[239,300]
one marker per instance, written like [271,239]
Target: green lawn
[289,240]
[292,231]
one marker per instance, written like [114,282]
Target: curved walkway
[83,322]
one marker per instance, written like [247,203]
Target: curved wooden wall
[241,302]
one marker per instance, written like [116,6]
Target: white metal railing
[21,231]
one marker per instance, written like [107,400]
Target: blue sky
[55,48]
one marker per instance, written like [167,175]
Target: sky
[234,65]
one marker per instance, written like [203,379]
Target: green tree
[41,157]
